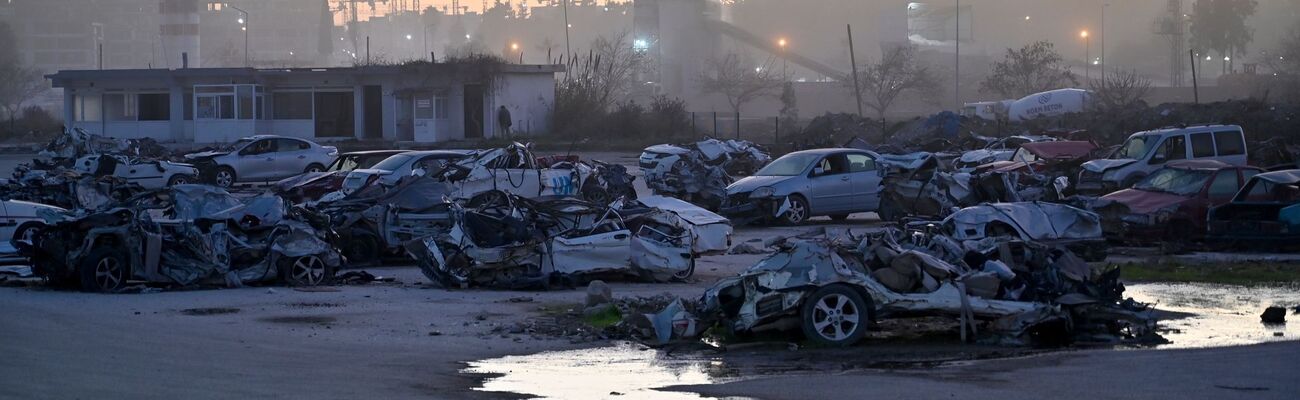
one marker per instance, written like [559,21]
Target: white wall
[529,98]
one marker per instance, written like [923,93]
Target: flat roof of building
[68,75]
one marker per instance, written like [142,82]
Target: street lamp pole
[243,21]
[785,72]
[1087,56]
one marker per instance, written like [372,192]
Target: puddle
[623,371]
[1223,315]
[1220,315]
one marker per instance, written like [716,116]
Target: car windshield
[1136,147]
[356,161]
[790,165]
[393,163]
[1024,156]
[236,145]
[1177,181]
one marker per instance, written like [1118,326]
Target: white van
[1145,152]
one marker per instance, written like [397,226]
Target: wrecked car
[77,142]
[1145,152]
[1171,204]
[1265,213]
[513,169]
[804,184]
[1039,222]
[834,288]
[998,150]
[313,185]
[22,219]
[261,158]
[149,174]
[185,235]
[736,157]
[520,243]
[398,166]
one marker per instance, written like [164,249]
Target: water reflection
[623,371]
[1222,315]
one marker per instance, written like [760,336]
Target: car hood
[176,164]
[666,149]
[748,184]
[1103,165]
[205,154]
[974,156]
[1143,201]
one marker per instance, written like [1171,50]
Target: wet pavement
[1212,316]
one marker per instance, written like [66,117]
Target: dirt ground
[406,340]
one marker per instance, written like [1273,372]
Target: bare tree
[898,72]
[1031,69]
[1285,64]
[739,79]
[594,82]
[17,86]
[1220,25]
[1119,89]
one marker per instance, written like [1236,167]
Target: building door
[423,115]
[374,112]
[474,111]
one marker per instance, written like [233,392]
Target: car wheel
[888,211]
[839,217]
[686,274]
[315,168]
[225,177]
[487,199]
[180,179]
[104,270]
[27,232]
[835,316]
[798,212]
[595,194]
[306,271]
[362,249]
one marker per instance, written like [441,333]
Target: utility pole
[567,49]
[853,58]
[243,22]
[1196,88]
[956,82]
[1103,39]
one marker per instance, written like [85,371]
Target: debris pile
[699,173]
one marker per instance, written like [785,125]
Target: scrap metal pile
[699,173]
[185,235]
[87,170]
[518,243]
[834,286]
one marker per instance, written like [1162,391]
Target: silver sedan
[805,184]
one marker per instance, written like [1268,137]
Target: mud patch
[299,319]
[209,311]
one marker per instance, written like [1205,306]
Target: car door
[292,157]
[146,174]
[8,223]
[256,161]
[864,181]
[831,185]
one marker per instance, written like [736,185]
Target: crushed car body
[700,173]
[834,286]
[513,169]
[185,235]
[1172,203]
[521,243]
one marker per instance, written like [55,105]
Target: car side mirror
[818,171]
[1157,159]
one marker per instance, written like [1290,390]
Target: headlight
[762,193]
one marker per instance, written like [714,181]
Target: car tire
[314,168]
[835,316]
[104,270]
[180,179]
[593,193]
[798,212]
[687,274]
[310,270]
[224,177]
[363,249]
[27,231]
[839,217]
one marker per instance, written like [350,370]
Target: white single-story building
[419,102]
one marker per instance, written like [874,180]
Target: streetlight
[1087,55]
[785,73]
[243,21]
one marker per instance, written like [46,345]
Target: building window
[292,105]
[88,107]
[154,106]
[440,107]
[119,107]
[245,94]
